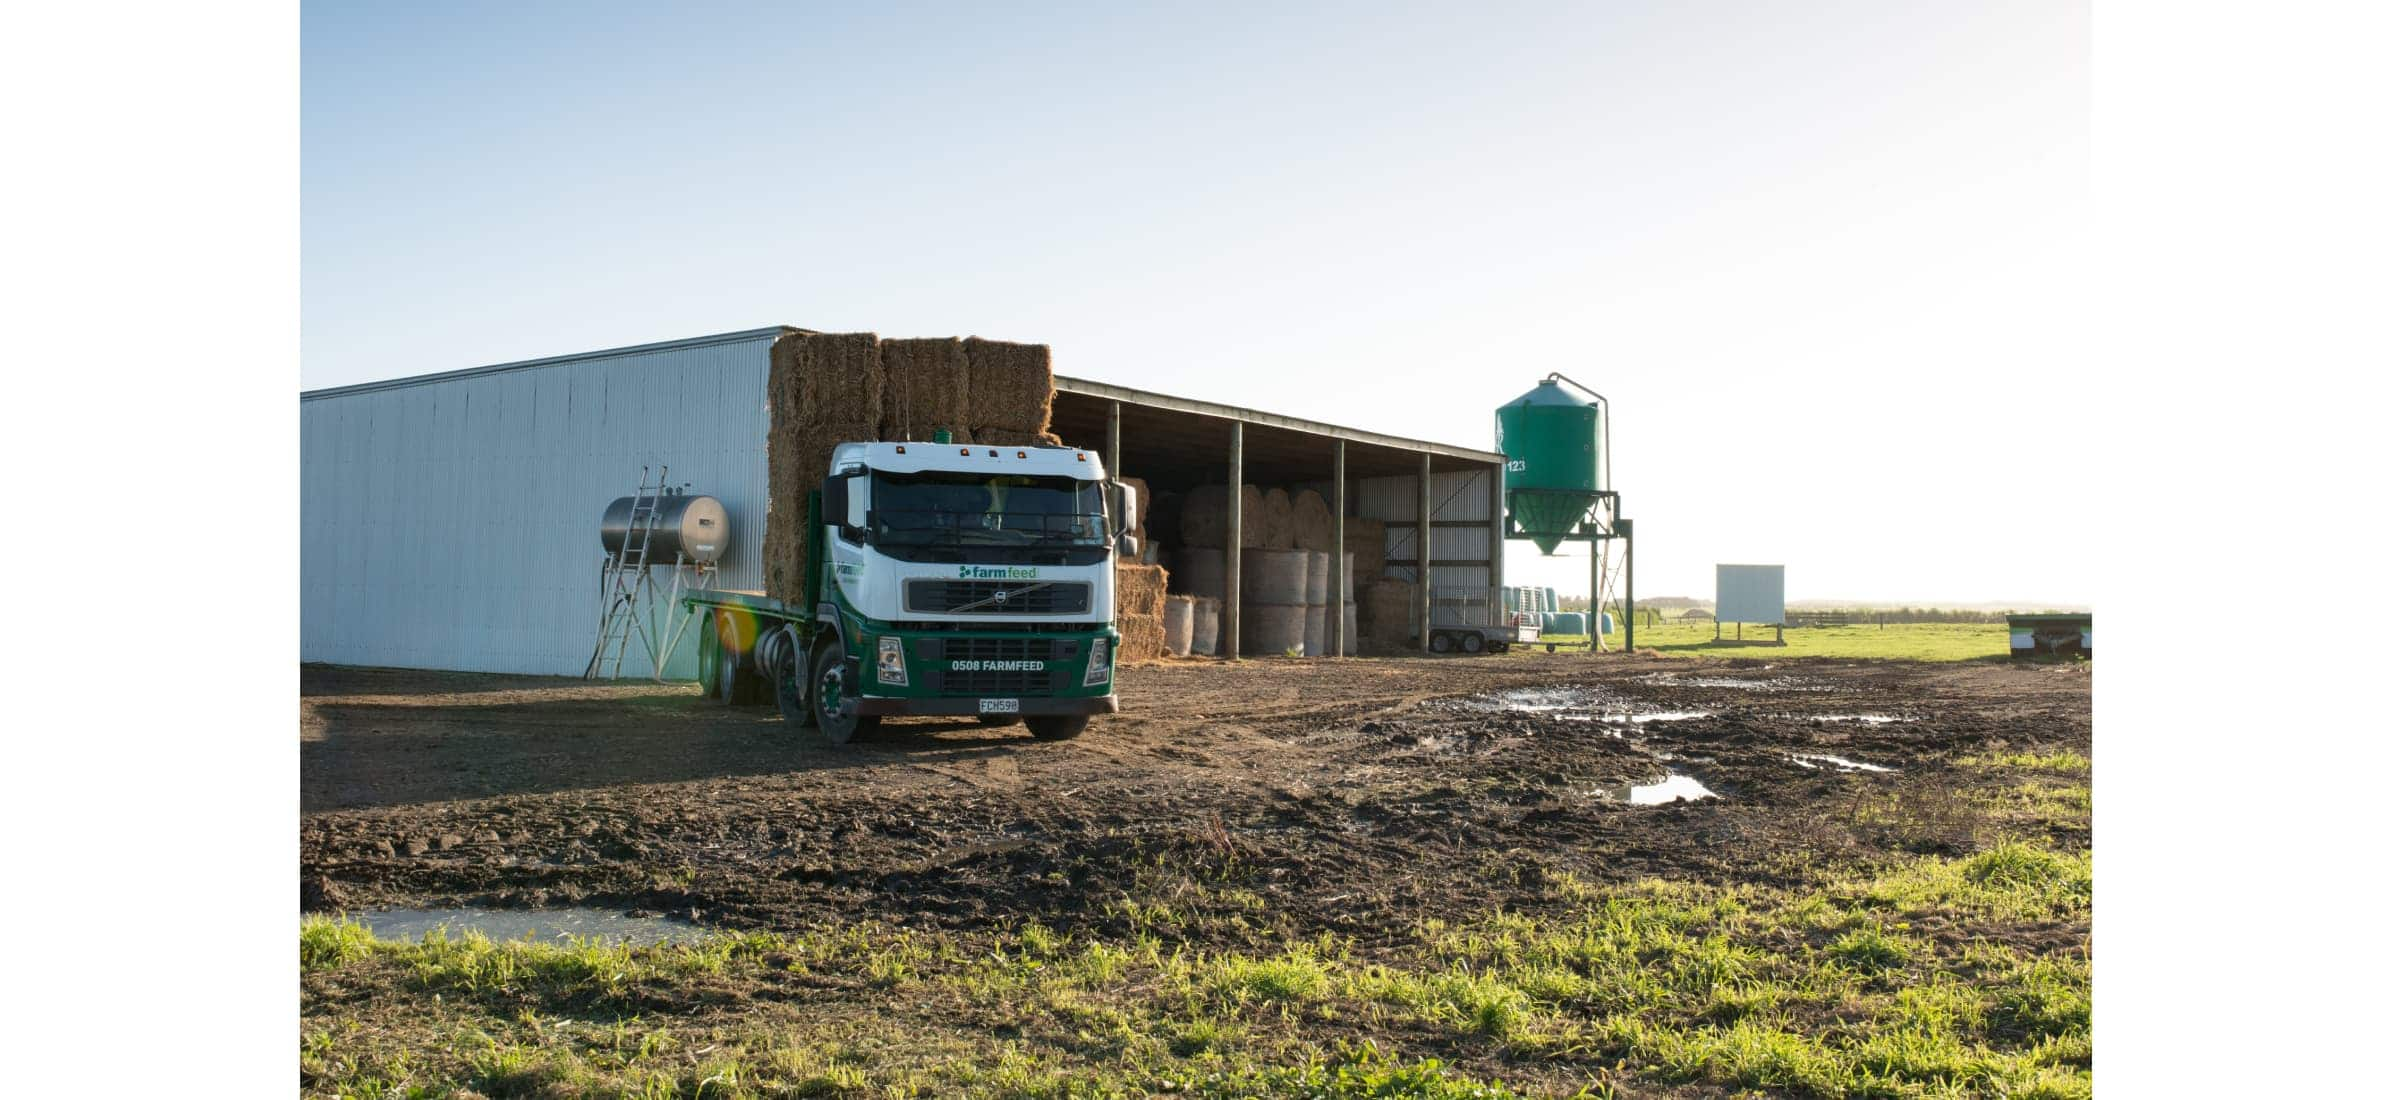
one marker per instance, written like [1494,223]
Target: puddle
[410,925]
[1766,683]
[1812,760]
[1536,700]
[1871,719]
[1671,788]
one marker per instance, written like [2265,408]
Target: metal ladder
[623,584]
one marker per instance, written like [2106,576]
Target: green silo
[1550,439]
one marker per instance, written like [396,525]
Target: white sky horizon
[1827,261]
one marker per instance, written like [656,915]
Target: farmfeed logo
[997,573]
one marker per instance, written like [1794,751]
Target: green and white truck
[943,579]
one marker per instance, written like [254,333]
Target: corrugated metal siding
[454,524]
[1453,495]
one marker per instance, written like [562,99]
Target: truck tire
[789,689]
[825,691]
[1000,719]
[710,661]
[1056,727]
[1440,642]
[739,685]
[1473,643]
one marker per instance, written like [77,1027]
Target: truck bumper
[1031,707]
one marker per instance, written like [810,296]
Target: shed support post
[1337,555]
[1628,606]
[1495,547]
[1231,581]
[1420,538]
[1594,603]
[1113,445]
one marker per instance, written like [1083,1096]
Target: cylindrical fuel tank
[691,525]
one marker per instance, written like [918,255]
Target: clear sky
[1826,257]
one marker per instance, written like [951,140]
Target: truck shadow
[366,755]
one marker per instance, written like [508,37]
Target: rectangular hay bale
[1012,385]
[926,386]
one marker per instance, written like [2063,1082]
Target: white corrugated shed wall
[453,523]
[1453,495]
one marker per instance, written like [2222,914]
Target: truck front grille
[941,597]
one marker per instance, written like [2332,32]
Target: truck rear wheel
[1440,642]
[710,662]
[1056,727]
[1472,643]
[789,688]
[734,683]
[830,690]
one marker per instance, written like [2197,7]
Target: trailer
[1458,607]
[943,580]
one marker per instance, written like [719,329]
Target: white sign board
[1752,594]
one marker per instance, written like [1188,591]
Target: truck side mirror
[1129,546]
[841,505]
[1125,506]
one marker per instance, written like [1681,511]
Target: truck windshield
[1002,509]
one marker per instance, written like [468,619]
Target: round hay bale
[1311,519]
[1316,630]
[1316,577]
[1270,629]
[1352,632]
[1278,521]
[1272,576]
[1179,625]
[1204,516]
[1204,639]
[1347,594]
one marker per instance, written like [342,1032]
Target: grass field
[1894,984]
[1906,641]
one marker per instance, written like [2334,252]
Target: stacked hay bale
[1179,625]
[1278,521]
[1311,521]
[1012,392]
[1367,538]
[1384,610]
[1205,636]
[823,389]
[1204,517]
[1316,603]
[1271,586]
[927,386]
[1138,597]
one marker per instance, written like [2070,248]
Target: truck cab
[966,580]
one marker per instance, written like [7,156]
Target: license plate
[1000,706]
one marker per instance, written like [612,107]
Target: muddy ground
[1352,797]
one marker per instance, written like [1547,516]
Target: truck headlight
[892,661]
[1100,665]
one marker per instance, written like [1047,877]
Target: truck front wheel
[1056,727]
[831,689]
